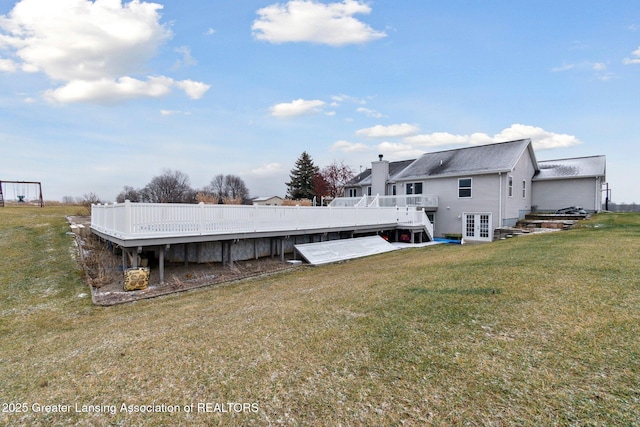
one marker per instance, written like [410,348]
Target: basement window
[464,187]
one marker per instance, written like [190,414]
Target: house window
[393,190]
[353,192]
[464,187]
[368,191]
[524,189]
[414,188]
[510,187]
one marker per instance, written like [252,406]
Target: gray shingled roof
[580,167]
[500,157]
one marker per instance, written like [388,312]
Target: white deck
[145,224]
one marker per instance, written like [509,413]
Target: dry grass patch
[538,330]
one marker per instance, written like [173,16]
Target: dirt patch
[102,264]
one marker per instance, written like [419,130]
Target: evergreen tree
[300,185]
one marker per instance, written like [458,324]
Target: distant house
[472,191]
[268,201]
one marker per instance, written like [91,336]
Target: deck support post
[282,250]
[186,255]
[271,244]
[161,264]
[226,249]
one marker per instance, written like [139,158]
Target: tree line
[306,182]
[173,186]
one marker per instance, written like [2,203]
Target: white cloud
[600,69]
[443,138]
[187,60]
[310,21]
[541,138]
[346,98]
[90,46]
[8,65]
[123,88]
[297,107]
[173,112]
[370,113]
[390,131]
[349,147]
[396,150]
[194,90]
[564,67]
[266,170]
[634,60]
[210,32]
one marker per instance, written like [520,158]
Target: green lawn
[535,330]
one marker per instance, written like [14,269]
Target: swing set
[24,193]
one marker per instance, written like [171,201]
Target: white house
[481,188]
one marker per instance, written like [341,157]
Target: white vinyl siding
[552,195]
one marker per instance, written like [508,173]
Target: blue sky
[98,95]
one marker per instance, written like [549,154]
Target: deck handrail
[152,220]
[417,200]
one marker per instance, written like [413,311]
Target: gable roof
[481,159]
[579,167]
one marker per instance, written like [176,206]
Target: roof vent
[380,157]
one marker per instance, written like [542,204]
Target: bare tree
[170,187]
[128,193]
[337,175]
[87,200]
[228,187]
[236,187]
[217,187]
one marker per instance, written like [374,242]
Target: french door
[477,226]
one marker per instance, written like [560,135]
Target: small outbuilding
[268,201]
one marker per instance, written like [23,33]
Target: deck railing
[151,220]
[419,200]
